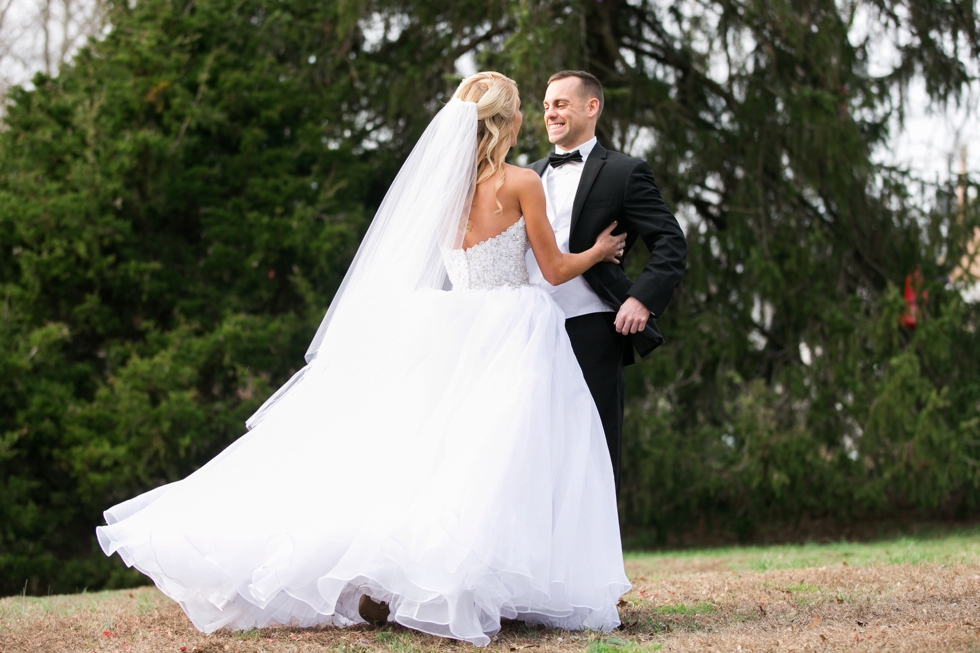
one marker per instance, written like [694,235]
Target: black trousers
[599,350]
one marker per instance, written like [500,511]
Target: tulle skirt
[444,456]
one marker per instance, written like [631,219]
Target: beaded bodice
[494,263]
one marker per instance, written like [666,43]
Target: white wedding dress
[456,469]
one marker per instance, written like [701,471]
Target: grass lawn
[907,594]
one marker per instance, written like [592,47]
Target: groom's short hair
[590,83]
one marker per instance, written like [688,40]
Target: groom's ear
[592,107]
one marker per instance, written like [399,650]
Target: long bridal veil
[424,211]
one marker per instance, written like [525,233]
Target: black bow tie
[558,160]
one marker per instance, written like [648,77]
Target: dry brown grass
[677,604]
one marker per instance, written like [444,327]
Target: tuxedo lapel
[539,166]
[597,158]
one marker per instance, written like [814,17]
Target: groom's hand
[632,317]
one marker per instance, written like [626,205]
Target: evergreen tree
[176,209]
[788,388]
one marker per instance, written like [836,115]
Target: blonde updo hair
[496,99]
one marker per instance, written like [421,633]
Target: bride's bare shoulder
[519,172]
[521,178]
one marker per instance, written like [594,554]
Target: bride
[439,461]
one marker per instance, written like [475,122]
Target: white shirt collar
[585,149]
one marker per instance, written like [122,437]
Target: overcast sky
[931,142]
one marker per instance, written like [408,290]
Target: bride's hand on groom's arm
[556,266]
[609,246]
[633,315]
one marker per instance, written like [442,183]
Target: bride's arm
[556,266]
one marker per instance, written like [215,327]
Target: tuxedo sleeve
[647,214]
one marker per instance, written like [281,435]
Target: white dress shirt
[574,297]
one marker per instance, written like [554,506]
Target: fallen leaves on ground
[895,608]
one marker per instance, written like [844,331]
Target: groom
[588,187]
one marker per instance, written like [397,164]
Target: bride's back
[487,218]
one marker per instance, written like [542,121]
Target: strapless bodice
[494,263]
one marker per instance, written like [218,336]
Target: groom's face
[569,116]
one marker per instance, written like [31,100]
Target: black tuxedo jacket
[619,187]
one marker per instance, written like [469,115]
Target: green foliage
[934,546]
[178,206]
[787,388]
[169,204]
[883,424]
